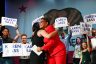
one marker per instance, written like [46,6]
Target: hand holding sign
[8,21]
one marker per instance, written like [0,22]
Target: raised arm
[80,60]
[88,44]
[17,33]
[46,35]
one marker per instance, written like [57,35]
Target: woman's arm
[45,34]
[88,44]
[49,45]
[17,33]
[80,60]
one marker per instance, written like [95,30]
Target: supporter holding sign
[24,59]
[6,39]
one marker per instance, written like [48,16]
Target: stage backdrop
[28,10]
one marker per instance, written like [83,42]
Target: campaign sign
[85,27]
[26,48]
[8,21]
[12,49]
[16,49]
[90,17]
[75,30]
[61,22]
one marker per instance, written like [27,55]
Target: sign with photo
[75,30]
[8,21]
[61,22]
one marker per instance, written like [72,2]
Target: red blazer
[53,45]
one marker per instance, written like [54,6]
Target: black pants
[76,60]
[24,61]
[35,59]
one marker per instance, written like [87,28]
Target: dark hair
[80,40]
[81,45]
[23,35]
[6,29]
[93,33]
[35,27]
[47,20]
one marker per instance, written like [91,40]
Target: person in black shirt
[38,41]
[6,39]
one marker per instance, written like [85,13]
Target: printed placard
[8,21]
[90,18]
[61,22]
[16,49]
[86,27]
[75,30]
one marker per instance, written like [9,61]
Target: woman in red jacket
[56,49]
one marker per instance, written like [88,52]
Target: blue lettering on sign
[16,46]
[15,50]
[9,20]
[61,22]
[28,50]
[29,46]
[6,46]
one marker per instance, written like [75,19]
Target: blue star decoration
[22,8]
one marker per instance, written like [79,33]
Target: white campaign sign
[75,30]
[16,49]
[85,27]
[8,21]
[61,22]
[26,48]
[90,17]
